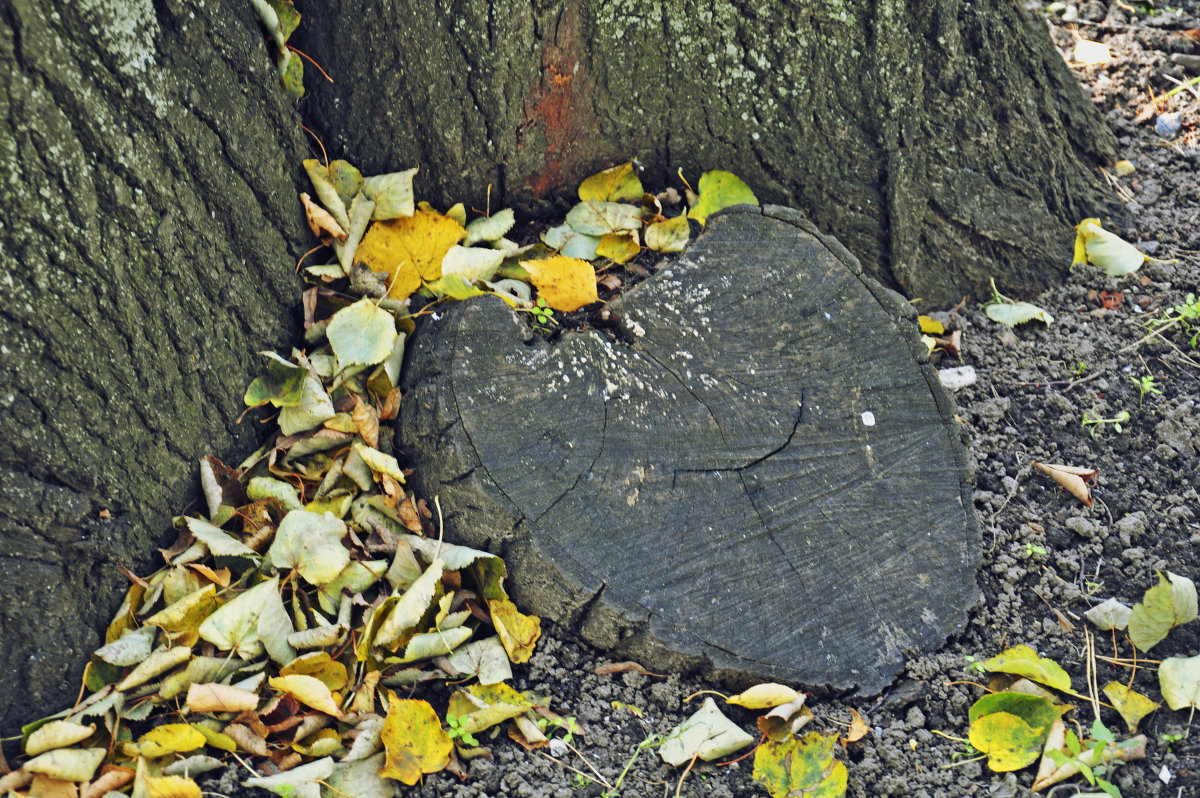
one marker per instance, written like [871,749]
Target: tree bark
[151,225]
[942,141]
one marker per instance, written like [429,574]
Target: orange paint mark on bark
[559,106]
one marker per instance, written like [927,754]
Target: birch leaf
[669,236]
[1179,680]
[411,606]
[414,741]
[566,284]
[489,228]
[484,659]
[806,767]
[156,664]
[518,633]
[707,734]
[361,334]
[67,764]
[1073,479]
[283,385]
[571,244]
[1113,254]
[1023,661]
[471,263]
[598,218]
[360,778]
[617,184]
[1131,705]
[392,194]
[299,782]
[618,247]
[308,690]
[312,544]
[129,649]
[1016,313]
[719,190]
[409,249]
[1166,605]
[1109,614]
[234,627]
[318,175]
[764,696]
[57,734]
[220,698]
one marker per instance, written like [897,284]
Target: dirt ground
[1044,550]
[1035,384]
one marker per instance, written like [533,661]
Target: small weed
[1168,739]
[457,732]
[580,781]
[1145,384]
[1104,750]
[569,726]
[1031,550]
[1092,588]
[1094,422]
[968,752]
[1186,314]
[543,315]
[972,665]
[1079,368]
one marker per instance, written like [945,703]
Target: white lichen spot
[126,29]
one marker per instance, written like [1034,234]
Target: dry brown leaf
[220,577]
[112,778]
[391,405]
[366,419]
[1072,478]
[321,222]
[622,667]
[408,516]
[858,729]
[46,787]
[246,739]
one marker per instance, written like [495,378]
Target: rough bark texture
[758,474]
[943,141]
[149,157]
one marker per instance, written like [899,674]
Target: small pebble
[1168,125]
[957,378]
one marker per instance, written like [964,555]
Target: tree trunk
[942,141]
[151,225]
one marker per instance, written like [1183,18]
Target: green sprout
[972,665]
[457,732]
[543,315]
[569,726]
[1186,314]
[1096,421]
[1092,588]
[1145,384]
[1031,550]
[1079,368]
[1104,755]
[1168,739]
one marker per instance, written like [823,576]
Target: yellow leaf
[518,633]
[612,185]
[618,247]
[795,767]
[319,665]
[762,696]
[1131,705]
[325,742]
[669,236]
[410,249]
[216,739]
[930,326]
[565,283]
[309,691]
[1113,254]
[413,740]
[170,738]
[858,728]
[220,698]
[172,787]
[46,787]
[186,614]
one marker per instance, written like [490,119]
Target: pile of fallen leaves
[314,586]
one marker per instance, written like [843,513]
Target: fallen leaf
[571,244]
[489,228]
[930,326]
[618,247]
[616,184]
[622,667]
[1073,478]
[308,690]
[480,706]
[392,194]
[409,249]
[707,734]
[156,664]
[360,778]
[172,787]
[669,236]
[566,284]
[299,782]
[1163,607]
[131,648]
[379,462]
[67,764]
[1131,705]
[472,264]
[321,222]
[1089,53]
[1011,728]
[1099,247]
[1111,300]
[1109,614]
[57,734]
[794,768]
[234,626]
[858,728]
[46,787]
[1179,681]
[220,698]
[1072,754]
[518,633]
[318,175]
[763,696]
[719,190]
[414,741]
[1022,660]
[786,720]
[170,738]
[283,386]
[311,544]
[600,218]
[361,334]
[112,779]
[411,606]
[1014,313]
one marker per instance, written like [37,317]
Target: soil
[1046,554]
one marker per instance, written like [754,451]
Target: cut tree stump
[759,475]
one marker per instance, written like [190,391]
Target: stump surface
[762,476]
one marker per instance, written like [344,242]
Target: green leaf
[480,707]
[1011,728]
[356,576]
[379,462]
[794,768]
[362,333]
[612,185]
[346,180]
[1016,313]
[392,193]
[1024,661]
[598,218]
[1179,680]
[1162,608]
[291,71]
[570,243]
[488,228]
[262,488]
[719,190]
[282,387]
[454,286]
[312,544]
[707,734]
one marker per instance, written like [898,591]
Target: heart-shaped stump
[760,475]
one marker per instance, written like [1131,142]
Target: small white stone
[957,378]
[1164,775]
[868,418]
